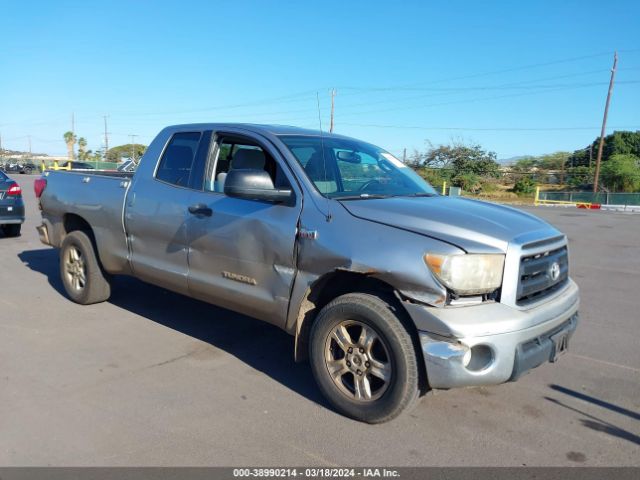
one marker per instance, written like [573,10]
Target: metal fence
[589,197]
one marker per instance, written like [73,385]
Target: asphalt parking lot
[154,378]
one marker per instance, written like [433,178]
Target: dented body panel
[275,261]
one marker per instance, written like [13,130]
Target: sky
[518,78]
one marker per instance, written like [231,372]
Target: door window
[177,160]
[239,152]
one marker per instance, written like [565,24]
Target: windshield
[349,169]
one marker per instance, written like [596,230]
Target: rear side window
[176,163]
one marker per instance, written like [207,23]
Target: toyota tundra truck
[388,288]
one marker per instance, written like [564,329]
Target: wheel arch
[72,222]
[340,282]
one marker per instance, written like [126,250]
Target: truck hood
[469,224]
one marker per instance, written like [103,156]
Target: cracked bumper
[489,344]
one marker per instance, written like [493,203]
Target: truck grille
[542,274]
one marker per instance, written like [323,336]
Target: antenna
[324,160]
[106,137]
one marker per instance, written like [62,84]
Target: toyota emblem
[554,271]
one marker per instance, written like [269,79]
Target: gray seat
[219,183]
[246,158]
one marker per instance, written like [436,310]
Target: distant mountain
[7,153]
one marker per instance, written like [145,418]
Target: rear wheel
[363,358]
[12,230]
[82,277]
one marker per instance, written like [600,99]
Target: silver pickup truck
[388,288]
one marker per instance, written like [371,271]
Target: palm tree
[82,148]
[70,140]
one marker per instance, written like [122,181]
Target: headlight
[467,274]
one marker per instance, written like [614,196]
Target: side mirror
[251,184]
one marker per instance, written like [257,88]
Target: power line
[453,102]
[507,70]
[482,129]
[296,97]
[453,91]
[546,88]
[282,99]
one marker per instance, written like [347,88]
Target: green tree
[623,142]
[70,140]
[459,164]
[553,161]
[621,173]
[96,156]
[116,154]
[525,164]
[463,159]
[82,149]
[580,177]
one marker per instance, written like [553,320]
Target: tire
[82,277]
[353,381]
[12,230]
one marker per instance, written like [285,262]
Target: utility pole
[604,123]
[73,124]
[106,138]
[30,154]
[133,147]
[333,96]
[404,155]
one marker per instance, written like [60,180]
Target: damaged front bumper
[493,343]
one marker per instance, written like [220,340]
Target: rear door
[242,252]
[157,213]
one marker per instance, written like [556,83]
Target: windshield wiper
[362,196]
[425,194]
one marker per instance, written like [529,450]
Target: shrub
[525,186]
[470,182]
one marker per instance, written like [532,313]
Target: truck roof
[261,128]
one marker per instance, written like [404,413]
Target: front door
[242,252]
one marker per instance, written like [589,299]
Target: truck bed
[94,197]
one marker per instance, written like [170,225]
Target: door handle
[200,209]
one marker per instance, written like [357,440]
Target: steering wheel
[366,185]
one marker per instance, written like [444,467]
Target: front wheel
[363,358]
